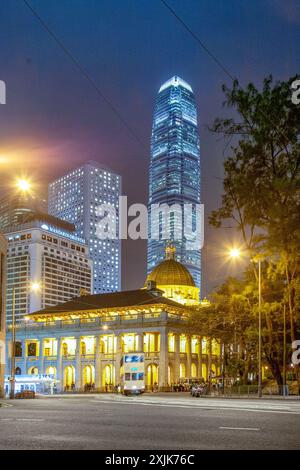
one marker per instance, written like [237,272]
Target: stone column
[41,357]
[78,371]
[98,368]
[118,356]
[200,360]
[59,368]
[163,359]
[24,357]
[177,358]
[188,356]
[140,342]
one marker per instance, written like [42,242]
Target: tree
[262,190]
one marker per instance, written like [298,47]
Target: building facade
[174,174]
[81,342]
[15,208]
[46,264]
[75,197]
[3,248]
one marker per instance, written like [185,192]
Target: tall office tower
[3,248]
[76,197]
[46,264]
[15,208]
[174,176]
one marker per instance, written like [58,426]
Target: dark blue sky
[54,120]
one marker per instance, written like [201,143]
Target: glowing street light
[23,185]
[35,287]
[235,253]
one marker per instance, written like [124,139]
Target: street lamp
[236,253]
[23,185]
[34,287]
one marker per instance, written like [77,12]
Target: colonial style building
[2,309]
[81,342]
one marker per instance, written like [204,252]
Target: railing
[50,358]
[111,320]
[69,357]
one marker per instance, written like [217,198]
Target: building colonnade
[79,361]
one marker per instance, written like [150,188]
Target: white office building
[75,197]
[46,265]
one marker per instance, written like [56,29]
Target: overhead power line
[201,43]
[221,66]
[84,72]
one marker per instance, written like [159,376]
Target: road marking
[239,429]
[197,407]
[30,419]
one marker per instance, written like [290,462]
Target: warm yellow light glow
[234,253]
[105,327]
[23,185]
[35,287]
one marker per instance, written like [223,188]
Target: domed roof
[171,272]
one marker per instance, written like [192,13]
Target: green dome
[171,272]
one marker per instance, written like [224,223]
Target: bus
[133,373]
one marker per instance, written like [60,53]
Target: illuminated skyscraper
[75,197]
[174,176]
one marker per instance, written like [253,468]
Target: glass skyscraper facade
[75,197]
[174,176]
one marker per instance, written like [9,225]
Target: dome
[171,272]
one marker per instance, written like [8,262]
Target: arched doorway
[33,371]
[194,370]
[51,371]
[88,375]
[18,371]
[182,371]
[152,374]
[108,376]
[69,378]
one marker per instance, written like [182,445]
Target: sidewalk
[179,395]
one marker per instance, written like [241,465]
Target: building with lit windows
[81,342]
[3,248]
[47,264]
[174,173]
[75,197]
[15,208]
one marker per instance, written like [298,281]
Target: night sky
[54,120]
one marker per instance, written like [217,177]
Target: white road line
[239,429]
[206,408]
[30,419]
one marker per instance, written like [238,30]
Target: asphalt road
[149,422]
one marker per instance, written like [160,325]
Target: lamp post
[236,253]
[24,186]
[13,346]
